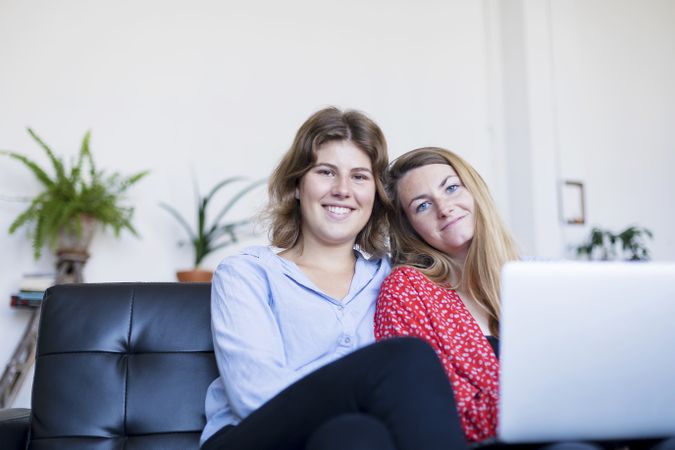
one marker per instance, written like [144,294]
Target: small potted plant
[603,244]
[73,201]
[206,237]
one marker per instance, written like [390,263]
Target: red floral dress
[410,304]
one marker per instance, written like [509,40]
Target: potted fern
[73,201]
[208,236]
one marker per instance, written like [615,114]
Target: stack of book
[32,289]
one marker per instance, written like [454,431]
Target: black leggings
[389,395]
[393,395]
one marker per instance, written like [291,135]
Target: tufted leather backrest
[122,366]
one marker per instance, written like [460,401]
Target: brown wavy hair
[491,247]
[326,125]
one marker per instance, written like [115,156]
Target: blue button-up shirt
[271,326]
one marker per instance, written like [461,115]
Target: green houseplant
[73,200]
[605,244]
[207,237]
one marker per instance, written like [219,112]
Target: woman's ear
[297,193]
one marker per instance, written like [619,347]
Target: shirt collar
[364,271]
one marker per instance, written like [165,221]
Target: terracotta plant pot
[194,276]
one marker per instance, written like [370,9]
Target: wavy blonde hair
[491,247]
[326,125]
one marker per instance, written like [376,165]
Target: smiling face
[439,208]
[336,195]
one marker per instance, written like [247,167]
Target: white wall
[588,96]
[615,72]
[220,87]
[530,91]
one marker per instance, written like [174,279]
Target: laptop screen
[587,351]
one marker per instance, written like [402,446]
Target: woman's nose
[341,187]
[445,208]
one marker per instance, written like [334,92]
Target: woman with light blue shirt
[292,330]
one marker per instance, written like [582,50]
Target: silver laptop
[587,351]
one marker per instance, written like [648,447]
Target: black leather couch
[118,366]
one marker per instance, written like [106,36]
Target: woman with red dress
[449,244]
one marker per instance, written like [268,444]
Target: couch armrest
[14,424]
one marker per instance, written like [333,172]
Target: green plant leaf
[186,226]
[234,200]
[229,228]
[39,173]
[85,154]
[84,149]
[57,163]
[219,186]
[131,180]
[27,215]
[39,236]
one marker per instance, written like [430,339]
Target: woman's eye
[326,172]
[452,187]
[422,207]
[361,177]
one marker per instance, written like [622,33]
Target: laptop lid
[587,351]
